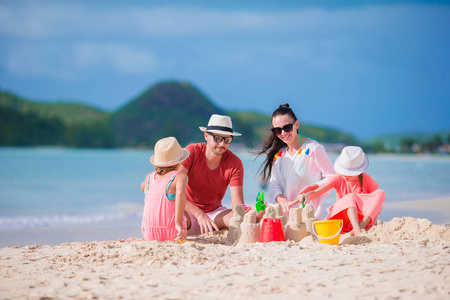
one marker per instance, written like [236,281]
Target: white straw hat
[221,125]
[168,152]
[352,161]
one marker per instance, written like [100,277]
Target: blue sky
[365,67]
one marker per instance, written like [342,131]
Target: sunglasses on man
[287,128]
[218,139]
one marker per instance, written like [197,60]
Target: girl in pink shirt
[359,200]
[165,198]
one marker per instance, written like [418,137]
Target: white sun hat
[221,125]
[352,161]
[168,152]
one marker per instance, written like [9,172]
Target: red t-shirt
[206,188]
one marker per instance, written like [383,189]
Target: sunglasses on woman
[218,139]
[287,128]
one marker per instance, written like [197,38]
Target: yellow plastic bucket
[328,231]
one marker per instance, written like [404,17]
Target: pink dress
[158,220]
[367,203]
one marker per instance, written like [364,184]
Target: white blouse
[290,174]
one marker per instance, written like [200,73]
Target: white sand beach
[406,258]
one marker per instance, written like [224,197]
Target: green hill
[259,125]
[17,129]
[411,142]
[68,113]
[28,123]
[254,126]
[165,109]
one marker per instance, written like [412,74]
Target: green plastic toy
[260,204]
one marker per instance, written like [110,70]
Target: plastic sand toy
[260,204]
[297,201]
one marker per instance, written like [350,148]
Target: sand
[406,258]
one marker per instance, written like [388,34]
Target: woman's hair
[165,170]
[361,181]
[272,144]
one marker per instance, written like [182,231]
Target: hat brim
[220,132]
[171,163]
[353,172]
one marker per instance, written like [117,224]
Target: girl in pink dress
[359,200]
[165,198]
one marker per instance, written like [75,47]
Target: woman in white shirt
[293,162]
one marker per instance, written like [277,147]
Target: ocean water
[54,195]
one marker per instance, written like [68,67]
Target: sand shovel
[297,201]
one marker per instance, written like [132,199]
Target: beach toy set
[272,228]
[244,229]
[260,204]
[328,231]
[271,231]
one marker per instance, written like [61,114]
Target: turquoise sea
[57,195]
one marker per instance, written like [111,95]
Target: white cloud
[49,19]
[64,19]
[63,38]
[123,58]
[68,61]
[48,60]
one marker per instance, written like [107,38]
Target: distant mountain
[18,129]
[68,113]
[165,109]
[395,142]
[259,128]
[254,126]
[28,123]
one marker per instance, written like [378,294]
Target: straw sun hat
[221,125]
[168,152]
[352,161]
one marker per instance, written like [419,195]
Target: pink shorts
[195,226]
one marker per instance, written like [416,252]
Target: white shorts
[195,226]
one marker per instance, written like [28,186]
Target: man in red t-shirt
[211,167]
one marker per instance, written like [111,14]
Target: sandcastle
[279,214]
[308,217]
[295,228]
[234,231]
[275,212]
[270,212]
[250,229]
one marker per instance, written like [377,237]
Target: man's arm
[206,224]
[237,195]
